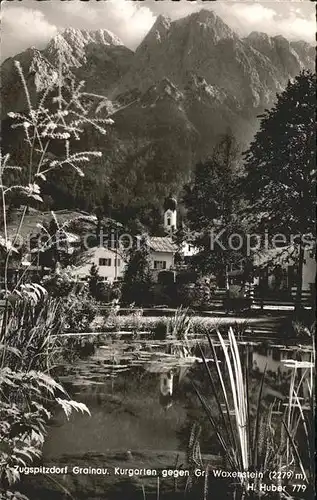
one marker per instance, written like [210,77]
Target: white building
[279,267]
[109,263]
[188,249]
[162,252]
[170,215]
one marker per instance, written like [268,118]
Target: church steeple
[170,214]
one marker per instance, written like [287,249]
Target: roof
[69,237]
[89,255]
[276,255]
[34,217]
[161,244]
[170,203]
[100,250]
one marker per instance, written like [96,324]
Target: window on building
[276,354]
[104,262]
[168,221]
[117,262]
[263,278]
[160,264]
[292,275]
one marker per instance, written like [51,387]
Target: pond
[144,415]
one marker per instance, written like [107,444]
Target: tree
[280,167]
[93,280]
[211,195]
[212,201]
[137,276]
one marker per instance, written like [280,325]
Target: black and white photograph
[157,250]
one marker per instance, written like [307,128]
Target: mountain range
[188,82]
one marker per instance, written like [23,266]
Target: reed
[31,319]
[298,418]
[254,436]
[160,326]
[28,392]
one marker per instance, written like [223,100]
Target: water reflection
[272,358]
[166,389]
[142,401]
[170,362]
[160,370]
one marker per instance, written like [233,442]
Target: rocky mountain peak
[258,37]
[187,82]
[171,48]
[162,21]
[157,33]
[82,37]
[71,44]
[207,23]
[206,17]
[42,70]
[281,41]
[306,53]
[288,57]
[260,41]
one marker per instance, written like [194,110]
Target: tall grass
[30,326]
[256,436]
[299,416]
[28,391]
[30,317]
[232,404]
[161,327]
[178,330]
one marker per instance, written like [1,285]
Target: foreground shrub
[160,329]
[79,311]
[32,321]
[60,284]
[196,295]
[31,344]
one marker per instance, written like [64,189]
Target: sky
[29,23]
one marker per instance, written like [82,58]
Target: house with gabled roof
[162,251]
[110,264]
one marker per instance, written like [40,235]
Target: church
[111,265]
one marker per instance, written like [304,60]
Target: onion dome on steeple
[170,203]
